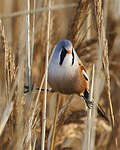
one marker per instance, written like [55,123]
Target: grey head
[64,47]
[64,43]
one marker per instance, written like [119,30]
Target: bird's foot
[26,89]
[89,103]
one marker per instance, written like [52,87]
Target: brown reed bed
[94,28]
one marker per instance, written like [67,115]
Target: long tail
[90,104]
[101,113]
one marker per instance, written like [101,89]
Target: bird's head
[66,49]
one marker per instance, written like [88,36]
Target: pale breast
[64,79]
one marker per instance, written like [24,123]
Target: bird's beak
[69,51]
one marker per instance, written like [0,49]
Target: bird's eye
[62,55]
[72,57]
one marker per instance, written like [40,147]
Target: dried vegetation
[93,26]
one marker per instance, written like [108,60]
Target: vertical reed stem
[55,123]
[46,75]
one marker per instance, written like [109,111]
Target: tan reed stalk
[107,70]
[98,15]
[113,142]
[87,140]
[107,75]
[43,24]
[16,93]
[3,83]
[52,42]
[30,138]
[8,6]
[34,144]
[19,109]
[33,32]
[16,27]
[105,13]
[55,122]
[28,53]
[24,13]
[28,67]
[35,105]
[106,65]
[52,29]
[89,111]
[46,75]
[30,122]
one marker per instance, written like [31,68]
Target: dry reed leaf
[2,62]
[7,77]
[79,27]
[5,117]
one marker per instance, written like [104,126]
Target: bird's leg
[88,102]
[26,88]
[48,90]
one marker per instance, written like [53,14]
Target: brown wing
[83,70]
[83,77]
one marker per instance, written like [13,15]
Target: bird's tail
[90,104]
[102,113]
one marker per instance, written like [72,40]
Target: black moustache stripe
[72,57]
[62,55]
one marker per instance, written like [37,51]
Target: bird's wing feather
[83,70]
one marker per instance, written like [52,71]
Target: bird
[67,74]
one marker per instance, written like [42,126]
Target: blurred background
[20,115]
